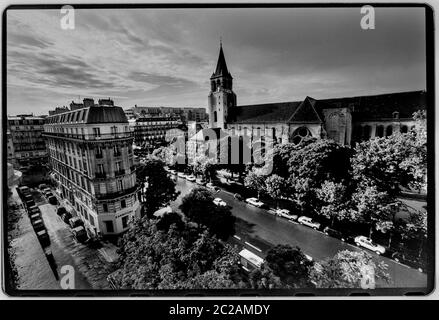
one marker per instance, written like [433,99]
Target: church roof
[268,112]
[382,106]
[221,66]
[374,107]
[306,112]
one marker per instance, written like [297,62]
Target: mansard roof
[93,114]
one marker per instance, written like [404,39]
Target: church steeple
[221,66]
[221,96]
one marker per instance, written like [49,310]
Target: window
[98,152]
[119,185]
[118,165]
[124,222]
[123,204]
[215,117]
[105,207]
[404,129]
[97,132]
[100,168]
[109,226]
[389,131]
[299,134]
[395,115]
[114,130]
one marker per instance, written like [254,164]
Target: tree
[175,258]
[255,180]
[198,207]
[158,189]
[348,269]
[393,162]
[275,187]
[290,265]
[334,201]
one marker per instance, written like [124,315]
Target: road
[262,230]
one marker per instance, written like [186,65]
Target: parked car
[28,197]
[80,234]
[181,174]
[30,203]
[53,200]
[172,171]
[43,237]
[66,217]
[60,211]
[408,260]
[334,233]
[307,221]
[201,182]
[367,243]
[23,190]
[212,187]
[219,202]
[286,214]
[42,186]
[75,222]
[255,202]
[238,197]
[34,217]
[38,225]
[191,178]
[33,209]
[46,190]
[48,194]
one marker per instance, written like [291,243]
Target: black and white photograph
[276,150]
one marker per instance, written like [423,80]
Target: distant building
[185,114]
[58,110]
[91,154]
[152,132]
[26,145]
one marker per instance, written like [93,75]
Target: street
[262,229]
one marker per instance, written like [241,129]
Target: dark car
[34,217]
[42,186]
[334,233]
[38,225]
[411,261]
[43,237]
[60,211]
[33,209]
[66,217]
[53,200]
[28,197]
[80,234]
[75,222]
[238,197]
[30,203]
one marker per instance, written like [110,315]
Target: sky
[165,57]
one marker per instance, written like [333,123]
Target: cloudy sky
[165,57]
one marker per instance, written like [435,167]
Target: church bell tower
[221,96]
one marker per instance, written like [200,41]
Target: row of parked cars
[75,223]
[34,214]
[192,178]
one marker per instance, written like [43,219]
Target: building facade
[344,120]
[91,155]
[26,145]
[155,131]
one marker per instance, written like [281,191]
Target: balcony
[119,173]
[90,137]
[100,175]
[114,195]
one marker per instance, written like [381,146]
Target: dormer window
[395,115]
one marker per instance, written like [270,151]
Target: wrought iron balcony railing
[92,137]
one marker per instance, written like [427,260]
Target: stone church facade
[345,120]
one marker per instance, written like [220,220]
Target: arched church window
[366,132]
[245,131]
[379,131]
[215,117]
[404,129]
[258,131]
[389,131]
[301,133]
[273,133]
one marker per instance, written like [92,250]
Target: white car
[255,202]
[220,202]
[367,243]
[181,175]
[307,221]
[286,214]
[172,171]
[191,178]
[212,187]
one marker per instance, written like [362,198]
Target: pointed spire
[221,66]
